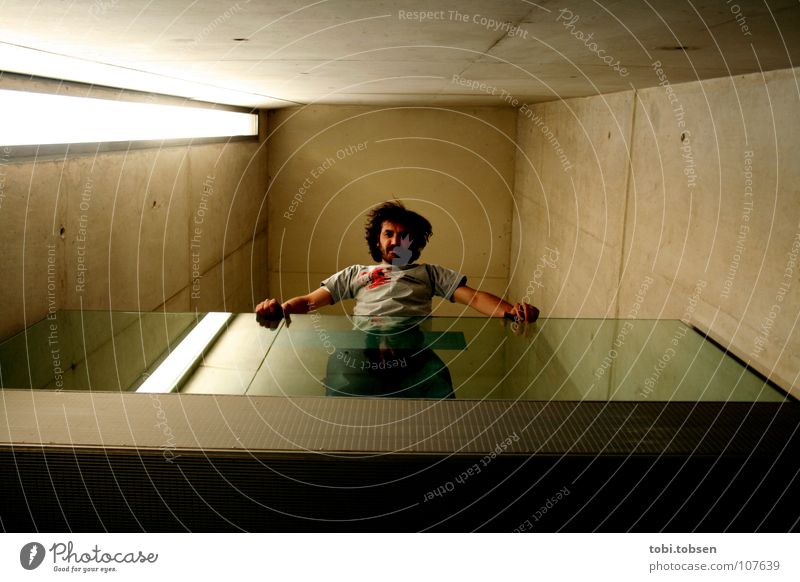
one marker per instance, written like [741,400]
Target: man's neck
[385,263]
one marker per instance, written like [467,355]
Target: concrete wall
[175,228]
[681,201]
[328,165]
[571,178]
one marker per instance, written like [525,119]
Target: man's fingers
[525,312]
[269,313]
[531,313]
[269,309]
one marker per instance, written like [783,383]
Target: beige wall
[129,219]
[625,205]
[454,166]
[571,176]
[671,230]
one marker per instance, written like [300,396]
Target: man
[396,285]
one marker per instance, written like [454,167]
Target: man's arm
[271,309]
[494,306]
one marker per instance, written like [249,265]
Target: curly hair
[419,227]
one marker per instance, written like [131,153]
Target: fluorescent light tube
[40,118]
[184,358]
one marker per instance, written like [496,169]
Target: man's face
[395,243]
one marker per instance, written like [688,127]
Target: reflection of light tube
[182,360]
[41,118]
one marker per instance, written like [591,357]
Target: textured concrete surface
[136,230]
[282,53]
[707,203]
[329,165]
[32,261]
[731,237]
[571,175]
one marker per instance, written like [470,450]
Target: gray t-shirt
[393,290]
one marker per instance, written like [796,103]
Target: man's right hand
[269,312]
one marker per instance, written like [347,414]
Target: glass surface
[339,356]
[91,350]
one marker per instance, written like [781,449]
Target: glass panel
[90,350]
[595,359]
[477,358]
[339,356]
[465,358]
[229,366]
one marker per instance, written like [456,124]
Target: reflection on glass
[395,361]
[183,359]
[91,350]
[340,356]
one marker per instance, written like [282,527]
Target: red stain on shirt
[378,277]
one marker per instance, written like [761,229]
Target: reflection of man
[395,362]
[396,285]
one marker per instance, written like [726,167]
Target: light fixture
[40,118]
[186,355]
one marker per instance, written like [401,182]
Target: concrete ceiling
[281,53]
